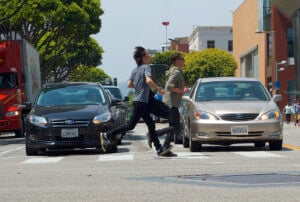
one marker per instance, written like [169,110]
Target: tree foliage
[208,63]
[89,74]
[60,30]
[160,64]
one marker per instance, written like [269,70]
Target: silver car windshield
[71,96]
[231,90]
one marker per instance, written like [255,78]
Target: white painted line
[257,154]
[125,157]
[44,160]
[189,155]
[11,150]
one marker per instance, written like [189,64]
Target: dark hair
[138,54]
[175,56]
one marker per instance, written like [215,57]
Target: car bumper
[51,138]
[220,132]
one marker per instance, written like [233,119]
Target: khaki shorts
[297,116]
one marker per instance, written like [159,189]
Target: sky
[130,23]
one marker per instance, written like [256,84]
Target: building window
[290,43]
[210,44]
[230,46]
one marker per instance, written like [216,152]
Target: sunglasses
[180,58]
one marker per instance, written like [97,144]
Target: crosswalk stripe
[122,157]
[11,150]
[43,160]
[257,154]
[189,155]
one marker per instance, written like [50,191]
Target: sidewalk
[291,134]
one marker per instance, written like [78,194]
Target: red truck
[20,82]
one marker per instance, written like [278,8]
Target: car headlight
[102,118]
[37,120]
[274,114]
[199,114]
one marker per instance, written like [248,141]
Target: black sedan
[69,115]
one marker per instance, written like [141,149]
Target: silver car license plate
[69,132]
[239,130]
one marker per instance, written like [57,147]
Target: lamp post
[274,55]
[165,23]
[276,82]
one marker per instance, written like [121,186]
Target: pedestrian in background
[296,110]
[287,110]
[141,81]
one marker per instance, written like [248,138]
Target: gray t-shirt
[138,77]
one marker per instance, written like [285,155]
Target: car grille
[238,117]
[69,123]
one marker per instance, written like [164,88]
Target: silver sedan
[228,110]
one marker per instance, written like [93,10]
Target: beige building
[266,33]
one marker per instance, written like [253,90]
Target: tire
[275,145]
[113,148]
[260,144]
[30,151]
[185,139]
[20,132]
[119,141]
[176,139]
[194,145]
[185,142]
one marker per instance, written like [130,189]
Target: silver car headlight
[274,114]
[37,120]
[199,114]
[102,118]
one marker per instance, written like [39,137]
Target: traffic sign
[277,85]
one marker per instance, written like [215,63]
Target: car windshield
[115,92]
[231,90]
[71,95]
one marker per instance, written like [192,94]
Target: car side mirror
[277,97]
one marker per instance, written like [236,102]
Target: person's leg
[158,108]
[110,135]
[161,150]
[288,118]
[174,121]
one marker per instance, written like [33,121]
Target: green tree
[210,62]
[160,63]
[90,74]
[60,30]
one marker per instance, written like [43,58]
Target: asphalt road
[135,173]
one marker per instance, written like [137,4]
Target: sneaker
[169,154]
[104,141]
[163,150]
[149,140]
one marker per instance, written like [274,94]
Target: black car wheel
[30,151]
[112,148]
[259,144]
[185,139]
[194,145]
[275,145]
[20,132]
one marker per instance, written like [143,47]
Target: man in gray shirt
[141,81]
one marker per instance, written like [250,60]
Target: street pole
[165,23]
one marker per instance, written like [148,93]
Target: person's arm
[130,84]
[153,85]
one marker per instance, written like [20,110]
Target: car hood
[70,112]
[227,107]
